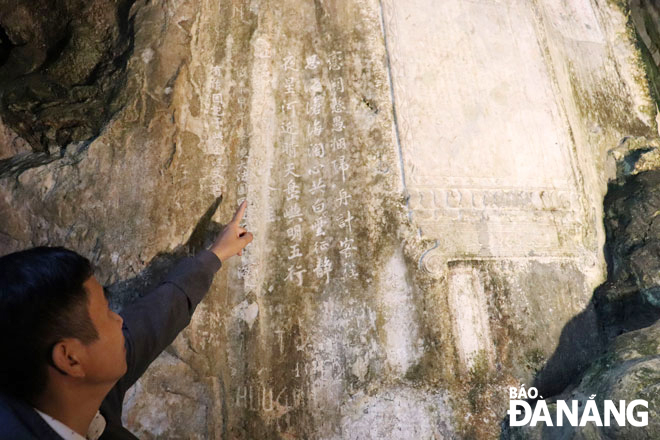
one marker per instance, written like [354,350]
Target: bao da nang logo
[618,413]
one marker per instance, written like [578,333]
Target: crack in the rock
[15,165]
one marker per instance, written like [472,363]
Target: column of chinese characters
[214,147]
[242,101]
[340,165]
[316,133]
[242,174]
[288,132]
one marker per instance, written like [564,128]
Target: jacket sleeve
[154,321]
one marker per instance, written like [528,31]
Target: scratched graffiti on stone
[334,139]
[424,183]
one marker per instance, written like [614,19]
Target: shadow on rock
[127,291]
[588,356]
[630,298]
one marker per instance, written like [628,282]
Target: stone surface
[503,126]
[629,371]
[425,189]
[63,65]
[626,305]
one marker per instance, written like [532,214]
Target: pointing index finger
[240,212]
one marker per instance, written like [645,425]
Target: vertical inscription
[214,147]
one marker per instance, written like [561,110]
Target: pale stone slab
[485,150]
[468,299]
[503,117]
[494,116]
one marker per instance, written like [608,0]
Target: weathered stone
[626,306]
[448,164]
[61,67]
[629,371]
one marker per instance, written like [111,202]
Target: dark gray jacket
[150,325]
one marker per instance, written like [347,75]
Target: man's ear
[67,355]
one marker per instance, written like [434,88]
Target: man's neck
[73,406]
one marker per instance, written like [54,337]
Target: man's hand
[233,239]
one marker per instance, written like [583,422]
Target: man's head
[55,322]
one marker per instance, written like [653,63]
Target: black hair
[42,301]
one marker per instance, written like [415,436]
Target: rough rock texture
[630,299]
[626,305]
[504,124]
[63,64]
[630,371]
[425,189]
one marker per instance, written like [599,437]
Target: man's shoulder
[11,425]
[18,421]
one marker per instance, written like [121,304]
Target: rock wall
[425,187]
[626,304]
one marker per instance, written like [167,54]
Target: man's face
[106,357]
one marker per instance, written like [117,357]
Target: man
[67,359]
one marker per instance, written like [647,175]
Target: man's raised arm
[155,320]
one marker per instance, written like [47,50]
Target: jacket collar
[29,418]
